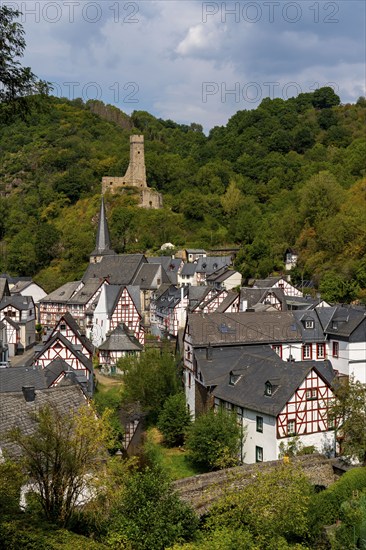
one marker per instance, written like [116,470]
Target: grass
[175,460]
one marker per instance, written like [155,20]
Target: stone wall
[203,490]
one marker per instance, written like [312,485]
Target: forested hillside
[287,174]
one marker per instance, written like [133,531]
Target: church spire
[102,247]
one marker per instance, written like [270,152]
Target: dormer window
[268,389]
[234,378]
[309,323]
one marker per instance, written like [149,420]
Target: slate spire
[102,247]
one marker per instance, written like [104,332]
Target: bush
[325,507]
[214,440]
[174,420]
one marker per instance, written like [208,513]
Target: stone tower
[102,245]
[135,176]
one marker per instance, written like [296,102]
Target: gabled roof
[304,318]
[118,269]
[85,294]
[18,302]
[12,379]
[114,293]
[86,362]
[103,243]
[11,322]
[227,301]
[189,269]
[243,327]
[121,339]
[171,297]
[253,366]
[195,251]
[169,264]
[212,263]
[196,294]
[221,275]
[147,274]
[345,320]
[254,296]
[69,320]
[15,411]
[4,287]
[269,282]
[62,294]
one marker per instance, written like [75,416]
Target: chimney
[29,393]
[209,352]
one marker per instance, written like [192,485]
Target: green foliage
[174,420]
[326,507]
[62,458]
[149,379]
[149,514]
[273,507]
[214,439]
[11,480]
[324,98]
[348,412]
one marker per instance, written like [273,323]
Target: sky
[194,61]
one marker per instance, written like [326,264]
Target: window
[259,454]
[260,424]
[309,323]
[62,327]
[311,394]
[291,427]
[268,389]
[307,351]
[335,349]
[320,351]
[278,349]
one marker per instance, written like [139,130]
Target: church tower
[102,247]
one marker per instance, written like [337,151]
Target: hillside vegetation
[287,174]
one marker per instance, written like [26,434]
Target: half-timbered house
[224,278]
[60,356]
[278,282]
[210,264]
[116,305]
[273,400]
[83,302]
[21,310]
[169,311]
[69,328]
[54,305]
[119,343]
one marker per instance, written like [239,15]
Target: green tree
[16,81]
[214,440]
[274,506]
[63,458]
[325,97]
[149,515]
[174,420]
[349,415]
[149,379]
[11,480]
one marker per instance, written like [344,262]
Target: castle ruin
[135,176]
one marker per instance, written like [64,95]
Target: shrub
[174,420]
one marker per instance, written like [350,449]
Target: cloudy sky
[195,61]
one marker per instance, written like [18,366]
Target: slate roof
[255,296]
[4,287]
[254,366]
[19,302]
[345,320]
[212,263]
[70,321]
[169,264]
[266,283]
[243,327]
[171,297]
[302,302]
[226,303]
[147,274]
[220,275]
[103,242]
[195,251]
[315,334]
[121,339]
[189,269]
[114,292]
[13,378]
[15,411]
[11,322]
[196,294]
[118,269]
[78,354]
[63,294]
[85,294]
